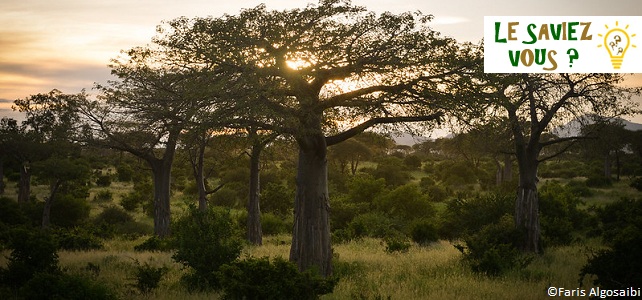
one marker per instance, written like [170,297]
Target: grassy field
[366,271]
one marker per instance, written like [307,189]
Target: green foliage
[492,250]
[579,188]
[103,180]
[273,224]
[412,161]
[33,251]
[599,182]
[76,239]
[205,240]
[103,196]
[406,202]
[226,197]
[392,170]
[465,215]
[373,224]
[637,183]
[124,172]
[260,278]
[113,215]
[140,196]
[423,231]
[155,243]
[69,211]
[618,267]
[561,216]
[456,173]
[148,277]
[277,199]
[10,212]
[564,169]
[65,286]
[396,244]
[114,220]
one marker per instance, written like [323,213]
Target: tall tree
[145,111]
[534,104]
[323,74]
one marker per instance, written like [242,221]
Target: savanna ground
[365,268]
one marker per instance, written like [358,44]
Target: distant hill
[573,128]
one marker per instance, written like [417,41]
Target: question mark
[573,56]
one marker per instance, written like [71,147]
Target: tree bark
[527,204]
[200,178]
[311,246]
[24,185]
[508,168]
[607,164]
[46,211]
[254,230]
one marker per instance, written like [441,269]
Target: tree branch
[335,139]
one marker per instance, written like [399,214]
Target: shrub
[396,244]
[374,225]
[141,195]
[277,199]
[392,170]
[579,188]
[561,216]
[33,251]
[103,180]
[124,172]
[492,249]
[205,240]
[465,215]
[406,202]
[69,211]
[148,277]
[10,212]
[599,182]
[423,232]
[155,243]
[412,161]
[273,224]
[226,197]
[65,286]
[260,278]
[637,183]
[618,267]
[113,215]
[76,239]
[103,196]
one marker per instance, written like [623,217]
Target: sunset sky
[67,44]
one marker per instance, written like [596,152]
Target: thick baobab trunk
[161,170]
[311,246]
[527,205]
[24,185]
[254,230]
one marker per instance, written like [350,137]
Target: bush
[141,195]
[396,244]
[273,224]
[103,196]
[155,243]
[392,170]
[103,180]
[33,251]
[492,250]
[466,215]
[76,239]
[618,267]
[277,199]
[374,225]
[423,232]
[260,278]
[406,202]
[10,212]
[599,182]
[124,172]
[579,188]
[637,183]
[148,277]
[69,211]
[65,286]
[561,216]
[205,240]
[113,215]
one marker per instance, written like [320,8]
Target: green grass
[366,270]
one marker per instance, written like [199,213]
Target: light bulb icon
[617,42]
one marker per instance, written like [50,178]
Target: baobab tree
[323,74]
